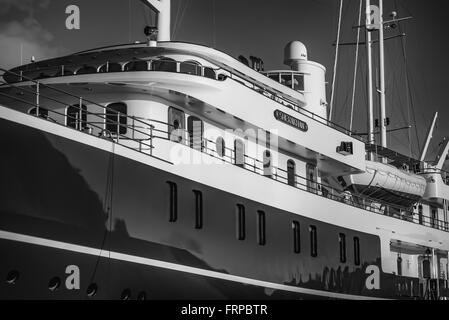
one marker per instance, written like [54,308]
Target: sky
[262,28]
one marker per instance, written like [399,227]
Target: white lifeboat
[388,183]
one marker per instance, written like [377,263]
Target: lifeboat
[387,183]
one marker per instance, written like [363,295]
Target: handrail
[272,93]
[145,128]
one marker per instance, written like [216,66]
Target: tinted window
[240,219]
[173,201]
[198,209]
[261,239]
[342,243]
[296,237]
[313,241]
[116,117]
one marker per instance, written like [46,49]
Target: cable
[355,67]
[108,209]
[337,46]
[213,25]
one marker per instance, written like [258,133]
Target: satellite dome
[294,51]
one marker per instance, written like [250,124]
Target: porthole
[92,290]
[142,296]
[12,277]
[126,294]
[54,284]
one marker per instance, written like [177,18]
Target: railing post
[37,99]
[118,127]
[151,139]
[134,128]
[80,115]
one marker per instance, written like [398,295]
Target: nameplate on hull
[291,121]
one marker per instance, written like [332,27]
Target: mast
[383,127]
[162,9]
[371,139]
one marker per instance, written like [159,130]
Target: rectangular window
[198,209]
[342,242]
[116,118]
[173,204]
[240,218]
[433,217]
[296,237]
[298,82]
[356,251]
[313,241]
[261,228]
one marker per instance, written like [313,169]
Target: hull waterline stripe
[172,266]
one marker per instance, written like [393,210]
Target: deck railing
[219,74]
[143,132]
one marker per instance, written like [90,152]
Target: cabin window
[420,214]
[239,152]
[76,117]
[274,76]
[195,128]
[173,201]
[291,173]
[198,209]
[433,217]
[110,67]
[209,73]
[399,265]
[43,113]
[267,169]
[137,65]
[176,124]
[313,241]
[296,237]
[164,64]
[261,239]
[220,146]
[86,70]
[240,219]
[116,119]
[287,80]
[190,67]
[311,178]
[298,82]
[342,243]
[356,251]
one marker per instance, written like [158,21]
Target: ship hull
[68,204]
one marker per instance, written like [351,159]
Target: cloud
[19,29]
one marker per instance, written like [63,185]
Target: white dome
[294,51]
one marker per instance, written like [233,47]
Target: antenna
[383,124]
[371,138]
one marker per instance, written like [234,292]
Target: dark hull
[58,189]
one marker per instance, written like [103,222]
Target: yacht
[171,170]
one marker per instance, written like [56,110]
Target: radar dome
[294,51]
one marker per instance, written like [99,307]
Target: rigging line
[407,89]
[107,208]
[129,21]
[213,25]
[354,84]
[409,85]
[337,47]
[183,11]
[175,24]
